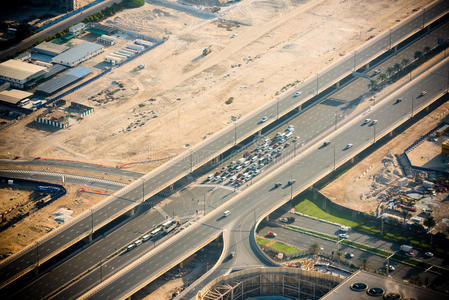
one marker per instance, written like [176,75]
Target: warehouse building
[78,54]
[50,49]
[14,96]
[63,81]
[106,40]
[77,29]
[20,74]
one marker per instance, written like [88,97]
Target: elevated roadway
[260,198]
[323,112]
[161,178]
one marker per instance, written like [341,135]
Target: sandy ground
[381,166]
[33,227]
[180,97]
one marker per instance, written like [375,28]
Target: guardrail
[436,8]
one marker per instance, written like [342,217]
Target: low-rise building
[14,96]
[107,40]
[50,49]
[77,29]
[78,54]
[20,73]
[55,118]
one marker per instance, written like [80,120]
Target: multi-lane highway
[162,177]
[309,125]
[257,199]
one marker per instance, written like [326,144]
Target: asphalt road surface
[311,123]
[260,197]
[154,181]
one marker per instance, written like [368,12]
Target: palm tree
[364,263]
[426,50]
[390,71]
[397,67]
[405,214]
[372,85]
[382,77]
[314,249]
[418,54]
[405,62]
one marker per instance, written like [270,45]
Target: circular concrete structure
[290,283]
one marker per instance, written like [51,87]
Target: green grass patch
[262,241]
[309,208]
[313,233]
[285,248]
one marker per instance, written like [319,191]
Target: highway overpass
[162,177]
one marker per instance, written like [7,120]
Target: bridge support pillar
[267,218]
[36,270]
[259,133]
[367,65]
[171,187]
[352,160]
[337,84]
[89,237]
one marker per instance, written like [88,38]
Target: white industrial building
[78,54]
[106,40]
[19,73]
[77,29]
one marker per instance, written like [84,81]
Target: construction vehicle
[206,51]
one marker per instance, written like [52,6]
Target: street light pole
[277,108]
[374,136]
[334,156]
[204,203]
[317,83]
[235,133]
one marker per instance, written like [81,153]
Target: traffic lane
[331,229]
[161,261]
[257,201]
[361,259]
[270,109]
[90,256]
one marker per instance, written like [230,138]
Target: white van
[146,237]
[226,213]
[138,243]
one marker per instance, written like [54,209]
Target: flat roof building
[78,54]
[14,96]
[63,81]
[363,285]
[50,49]
[19,73]
[107,40]
[77,29]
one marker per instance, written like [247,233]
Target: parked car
[347,146]
[428,254]
[343,236]
[271,234]
[349,255]
[264,119]
[283,220]
[297,94]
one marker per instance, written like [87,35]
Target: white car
[297,94]
[264,119]
[374,122]
[348,146]
[343,236]
[366,121]
[428,254]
